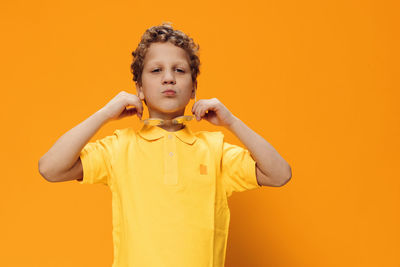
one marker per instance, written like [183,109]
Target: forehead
[159,53]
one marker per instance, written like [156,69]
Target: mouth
[169,92]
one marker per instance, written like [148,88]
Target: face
[166,66]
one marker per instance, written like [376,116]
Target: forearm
[66,150]
[268,159]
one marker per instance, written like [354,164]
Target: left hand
[213,111]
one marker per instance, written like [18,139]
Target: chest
[169,164]
[171,179]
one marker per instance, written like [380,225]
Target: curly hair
[164,33]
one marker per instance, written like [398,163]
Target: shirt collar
[151,132]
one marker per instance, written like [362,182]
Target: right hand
[117,108]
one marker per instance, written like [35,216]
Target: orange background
[318,80]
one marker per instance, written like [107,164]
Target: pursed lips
[169,90]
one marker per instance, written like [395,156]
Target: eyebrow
[175,63]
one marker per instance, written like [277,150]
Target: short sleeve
[238,169]
[97,158]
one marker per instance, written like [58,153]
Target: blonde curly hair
[165,33]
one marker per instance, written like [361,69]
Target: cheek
[186,81]
[150,85]
[149,78]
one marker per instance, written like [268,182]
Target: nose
[169,78]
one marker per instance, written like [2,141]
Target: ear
[139,90]
[194,90]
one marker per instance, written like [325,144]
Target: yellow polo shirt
[169,193]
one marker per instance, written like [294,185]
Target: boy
[169,185]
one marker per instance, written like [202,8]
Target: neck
[172,128]
[166,116]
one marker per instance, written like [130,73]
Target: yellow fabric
[169,193]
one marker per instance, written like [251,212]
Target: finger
[194,107]
[197,112]
[194,110]
[135,101]
[132,111]
[203,111]
[127,112]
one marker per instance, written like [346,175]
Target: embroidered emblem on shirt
[203,169]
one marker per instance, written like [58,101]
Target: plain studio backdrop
[319,80]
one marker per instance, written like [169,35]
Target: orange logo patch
[203,169]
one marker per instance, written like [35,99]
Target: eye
[157,70]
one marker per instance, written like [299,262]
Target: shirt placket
[170,160]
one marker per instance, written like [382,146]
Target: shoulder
[120,137]
[125,133]
[207,135]
[211,139]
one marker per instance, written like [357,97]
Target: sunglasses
[175,121]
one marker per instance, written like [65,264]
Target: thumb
[128,112]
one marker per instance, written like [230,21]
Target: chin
[169,108]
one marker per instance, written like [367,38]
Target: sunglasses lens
[153,122]
[182,119]
[177,120]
